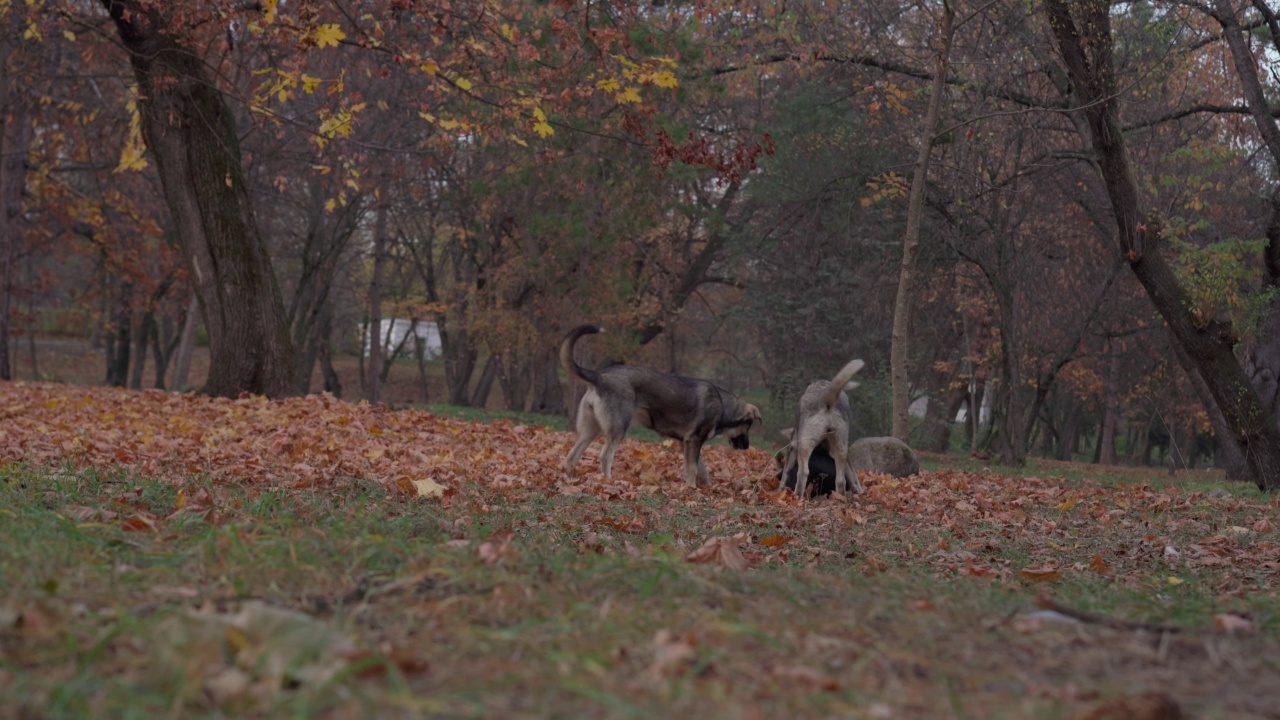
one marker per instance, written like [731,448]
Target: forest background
[1087,206]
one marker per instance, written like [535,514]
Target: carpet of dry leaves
[311,442]
[955,524]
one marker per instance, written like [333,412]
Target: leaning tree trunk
[1086,50]
[191,134]
[899,352]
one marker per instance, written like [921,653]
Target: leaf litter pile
[951,591]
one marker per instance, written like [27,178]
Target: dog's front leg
[693,461]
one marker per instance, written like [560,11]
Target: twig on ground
[1048,603]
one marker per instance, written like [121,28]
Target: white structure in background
[397,330]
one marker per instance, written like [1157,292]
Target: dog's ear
[788,433]
[753,412]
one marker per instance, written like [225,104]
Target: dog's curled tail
[838,382]
[566,353]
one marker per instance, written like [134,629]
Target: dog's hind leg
[802,470]
[611,443]
[787,464]
[840,453]
[588,431]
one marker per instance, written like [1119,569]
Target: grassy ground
[575,606]
[213,595]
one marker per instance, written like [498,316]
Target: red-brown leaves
[958,524]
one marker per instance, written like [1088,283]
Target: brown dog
[686,409]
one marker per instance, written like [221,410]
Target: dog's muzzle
[740,442]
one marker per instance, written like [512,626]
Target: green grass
[97,620]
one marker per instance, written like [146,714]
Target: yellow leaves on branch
[327,35]
[336,124]
[887,186]
[132,155]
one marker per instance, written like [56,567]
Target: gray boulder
[883,455]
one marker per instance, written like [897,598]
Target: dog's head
[739,439]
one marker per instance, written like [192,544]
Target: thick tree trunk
[900,349]
[1209,343]
[192,137]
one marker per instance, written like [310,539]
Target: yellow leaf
[309,83]
[463,83]
[32,32]
[270,6]
[537,113]
[543,129]
[665,78]
[1174,580]
[329,34]
[610,85]
[630,95]
[69,35]
[330,204]
[429,67]
[1068,503]
[180,502]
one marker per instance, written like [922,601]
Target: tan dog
[686,409]
[823,418]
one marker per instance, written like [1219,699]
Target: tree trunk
[899,355]
[15,136]
[376,340]
[118,339]
[480,397]
[140,343]
[191,134]
[1111,408]
[186,346]
[1209,343]
[548,397]
[1228,454]
[324,332]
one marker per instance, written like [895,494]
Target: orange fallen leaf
[1099,565]
[1044,573]
[775,540]
[138,523]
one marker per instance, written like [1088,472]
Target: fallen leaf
[1099,565]
[1234,623]
[672,654]
[497,546]
[775,540]
[723,550]
[1044,573]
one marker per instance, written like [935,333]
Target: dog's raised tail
[838,382]
[566,353]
